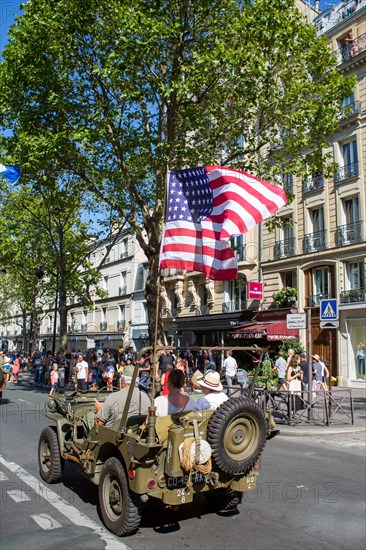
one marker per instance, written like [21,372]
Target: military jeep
[168,459]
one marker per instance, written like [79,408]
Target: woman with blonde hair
[290,355]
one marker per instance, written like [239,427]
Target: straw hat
[210,380]
[316,357]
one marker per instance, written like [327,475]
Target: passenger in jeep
[106,414]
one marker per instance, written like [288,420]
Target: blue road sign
[329,310]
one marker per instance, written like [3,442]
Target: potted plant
[285,297]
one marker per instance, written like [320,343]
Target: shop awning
[276,330]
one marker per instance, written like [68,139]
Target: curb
[292,432]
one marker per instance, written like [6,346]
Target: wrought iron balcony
[121,324]
[84,327]
[351,110]
[355,295]
[349,51]
[284,249]
[345,172]
[348,234]
[234,305]
[315,299]
[103,326]
[122,290]
[314,242]
[313,182]
[124,254]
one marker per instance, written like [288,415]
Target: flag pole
[152,408]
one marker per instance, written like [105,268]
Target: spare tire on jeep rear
[237,434]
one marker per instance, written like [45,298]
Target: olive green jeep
[168,459]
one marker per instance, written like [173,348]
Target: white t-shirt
[211,401]
[82,367]
[164,407]
[230,366]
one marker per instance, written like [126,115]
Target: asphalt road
[310,494]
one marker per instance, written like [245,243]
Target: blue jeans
[361,365]
[229,383]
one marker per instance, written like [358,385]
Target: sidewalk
[340,427]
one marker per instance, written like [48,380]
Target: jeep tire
[121,512]
[49,458]
[237,435]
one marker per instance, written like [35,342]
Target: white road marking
[69,511]
[3,477]
[18,496]
[46,522]
[24,401]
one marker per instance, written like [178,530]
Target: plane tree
[116,93]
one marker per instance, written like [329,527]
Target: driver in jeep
[107,413]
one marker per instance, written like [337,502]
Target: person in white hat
[212,390]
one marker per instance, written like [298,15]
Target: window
[350,211]
[122,314]
[349,153]
[348,161]
[141,277]
[235,295]
[355,275]
[316,218]
[123,283]
[105,283]
[103,314]
[289,279]
[320,282]
[287,182]
[124,248]
[238,246]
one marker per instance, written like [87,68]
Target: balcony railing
[234,305]
[284,249]
[347,52]
[315,299]
[355,295]
[121,324]
[122,290]
[124,254]
[84,327]
[314,242]
[351,110]
[345,172]
[103,326]
[348,234]
[313,182]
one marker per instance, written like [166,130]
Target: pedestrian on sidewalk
[230,367]
[54,379]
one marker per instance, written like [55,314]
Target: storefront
[352,345]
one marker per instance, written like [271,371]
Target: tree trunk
[151,294]
[62,311]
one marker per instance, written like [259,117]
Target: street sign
[107,338]
[296,320]
[329,310]
[329,324]
[255,291]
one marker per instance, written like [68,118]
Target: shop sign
[296,320]
[255,291]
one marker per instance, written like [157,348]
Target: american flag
[205,207]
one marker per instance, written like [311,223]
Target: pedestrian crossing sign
[328,310]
